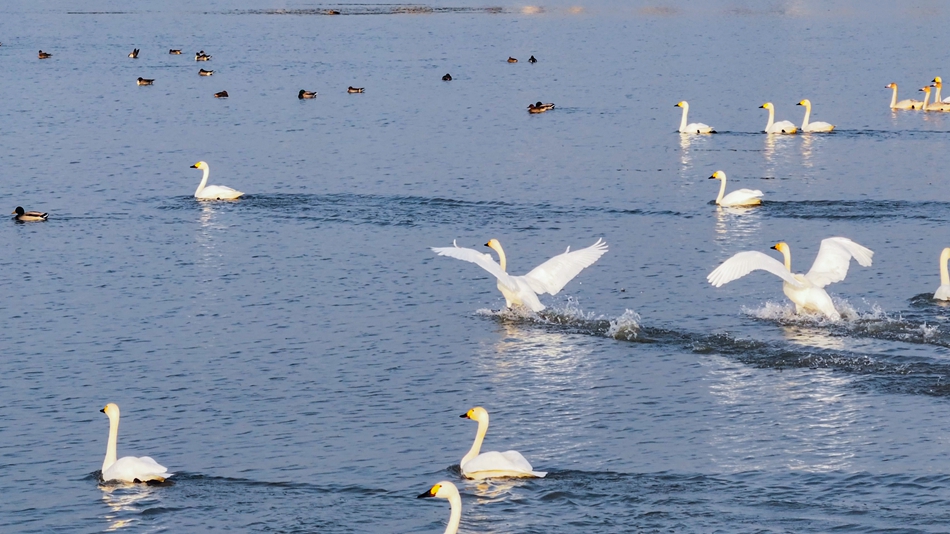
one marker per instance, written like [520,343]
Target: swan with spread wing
[805,290]
[549,277]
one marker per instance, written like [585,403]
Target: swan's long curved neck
[204,179]
[110,447]
[455,502]
[937,92]
[926,99]
[722,190]
[477,446]
[944,275]
[683,122]
[788,258]
[502,260]
[807,116]
[771,119]
[894,97]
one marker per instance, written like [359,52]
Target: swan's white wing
[834,258]
[552,275]
[219,191]
[698,127]
[741,196]
[130,468]
[744,263]
[485,261]
[943,293]
[493,463]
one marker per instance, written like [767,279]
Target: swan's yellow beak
[431,493]
[467,415]
[103,410]
[802,103]
[678,105]
[780,246]
[195,166]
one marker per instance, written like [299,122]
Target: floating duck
[332,12]
[532,60]
[447,78]
[201,56]
[44,55]
[306,94]
[144,81]
[202,72]
[29,215]
[222,94]
[352,89]
[134,53]
[539,107]
[174,51]
[512,60]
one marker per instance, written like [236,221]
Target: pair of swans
[805,290]
[738,198]
[129,468]
[694,128]
[549,277]
[212,192]
[936,105]
[786,127]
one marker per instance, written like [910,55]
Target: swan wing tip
[539,474]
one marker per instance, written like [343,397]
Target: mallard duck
[202,72]
[532,60]
[306,94]
[29,215]
[174,51]
[44,55]
[512,60]
[134,53]
[144,81]
[447,78]
[539,107]
[352,89]
[222,94]
[201,56]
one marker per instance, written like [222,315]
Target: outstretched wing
[484,261]
[834,258]
[744,263]
[552,275]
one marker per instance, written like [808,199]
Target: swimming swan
[937,105]
[447,490]
[943,292]
[694,128]
[549,277]
[903,104]
[805,290]
[212,192]
[938,83]
[739,197]
[492,464]
[128,468]
[817,126]
[781,127]
[926,91]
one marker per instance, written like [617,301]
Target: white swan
[781,127]
[903,104]
[492,464]
[938,83]
[943,292]
[926,91]
[549,277]
[447,490]
[128,468]
[212,192]
[805,290]
[938,104]
[817,126]
[739,197]
[694,128]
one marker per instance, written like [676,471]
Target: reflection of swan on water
[816,126]
[128,468]
[492,464]
[549,277]
[737,198]
[694,128]
[781,127]
[447,490]
[943,292]
[805,290]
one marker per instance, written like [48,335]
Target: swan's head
[925,89]
[442,490]
[781,246]
[111,409]
[493,243]
[681,104]
[936,80]
[805,102]
[200,165]
[767,105]
[891,85]
[477,414]
[718,175]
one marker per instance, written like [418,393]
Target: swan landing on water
[549,277]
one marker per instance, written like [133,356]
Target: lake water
[299,358]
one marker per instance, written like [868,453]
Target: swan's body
[29,216]
[943,292]
[780,127]
[447,490]
[492,464]
[938,104]
[805,290]
[212,192]
[549,277]
[903,104]
[739,197]
[817,126]
[128,468]
[694,128]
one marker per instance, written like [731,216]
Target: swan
[938,83]
[549,277]
[817,126]
[805,290]
[926,91]
[212,192]
[903,104]
[492,464]
[694,128]
[739,197]
[938,104]
[781,127]
[127,468]
[22,215]
[447,490]
[943,292]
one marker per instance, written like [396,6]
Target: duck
[306,94]
[212,192]
[174,51]
[943,292]
[532,60]
[694,128]
[903,104]
[44,55]
[128,468]
[332,12]
[737,198]
[447,77]
[144,81]
[813,127]
[29,216]
[539,107]
[134,53]
[492,464]
[781,127]
[202,72]
[352,89]
[512,60]
[221,94]
[201,56]
[447,490]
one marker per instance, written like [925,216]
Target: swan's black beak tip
[103,410]
[713,177]
[487,245]
[773,247]
[425,495]
[464,416]
[193,167]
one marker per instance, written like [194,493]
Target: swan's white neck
[204,179]
[501,257]
[944,275]
[477,446]
[788,258]
[894,97]
[807,116]
[722,188]
[937,93]
[926,99]
[110,447]
[683,122]
[768,127]
[455,503]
